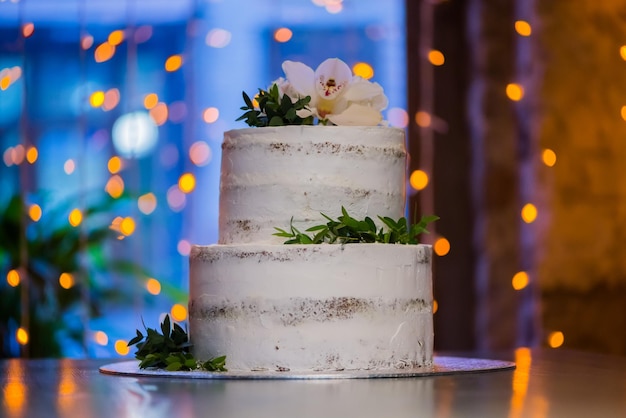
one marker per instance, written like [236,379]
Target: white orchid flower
[337,96]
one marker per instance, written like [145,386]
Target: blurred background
[112,114]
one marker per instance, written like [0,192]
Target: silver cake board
[441,366]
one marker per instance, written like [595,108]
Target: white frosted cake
[322,307]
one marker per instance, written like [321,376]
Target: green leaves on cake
[274,109]
[170,350]
[330,95]
[346,230]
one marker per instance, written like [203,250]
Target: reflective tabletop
[545,383]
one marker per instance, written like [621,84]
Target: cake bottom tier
[312,307]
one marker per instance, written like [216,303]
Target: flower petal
[301,77]
[332,77]
[357,115]
[361,89]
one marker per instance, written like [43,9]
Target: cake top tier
[274,176]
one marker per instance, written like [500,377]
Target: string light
[115,186]
[114,165]
[116,37]
[150,100]
[127,226]
[28,29]
[104,52]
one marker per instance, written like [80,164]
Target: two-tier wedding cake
[268,306]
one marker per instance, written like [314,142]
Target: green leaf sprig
[170,350]
[345,229]
[274,110]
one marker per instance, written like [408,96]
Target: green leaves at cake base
[346,230]
[169,350]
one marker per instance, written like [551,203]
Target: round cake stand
[441,366]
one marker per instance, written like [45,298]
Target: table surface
[545,383]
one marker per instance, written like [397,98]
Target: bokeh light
[96,99]
[179,312]
[134,134]
[529,213]
[200,153]
[21,335]
[210,114]
[514,91]
[13,278]
[548,157]
[441,246]
[34,212]
[435,306]
[520,280]
[86,42]
[173,63]
[121,347]
[159,113]
[423,119]
[147,203]
[398,117]
[556,339]
[69,166]
[115,187]
[187,183]
[418,180]
[363,69]
[176,199]
[183,247]
[116,37]
[153,286]
[436,57]
[114,165]
[101,338]
[523,28]
[111,99]
[66,280]
[32,154]
[75,217]
[282,35]
[104,52]
[218,38]
[28,29]
[150,100]
[127,226]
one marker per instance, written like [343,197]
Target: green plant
[274,110]
[170,350]
[345,229]
[39,252]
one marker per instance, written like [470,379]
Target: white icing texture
[271,175]
[312,307]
